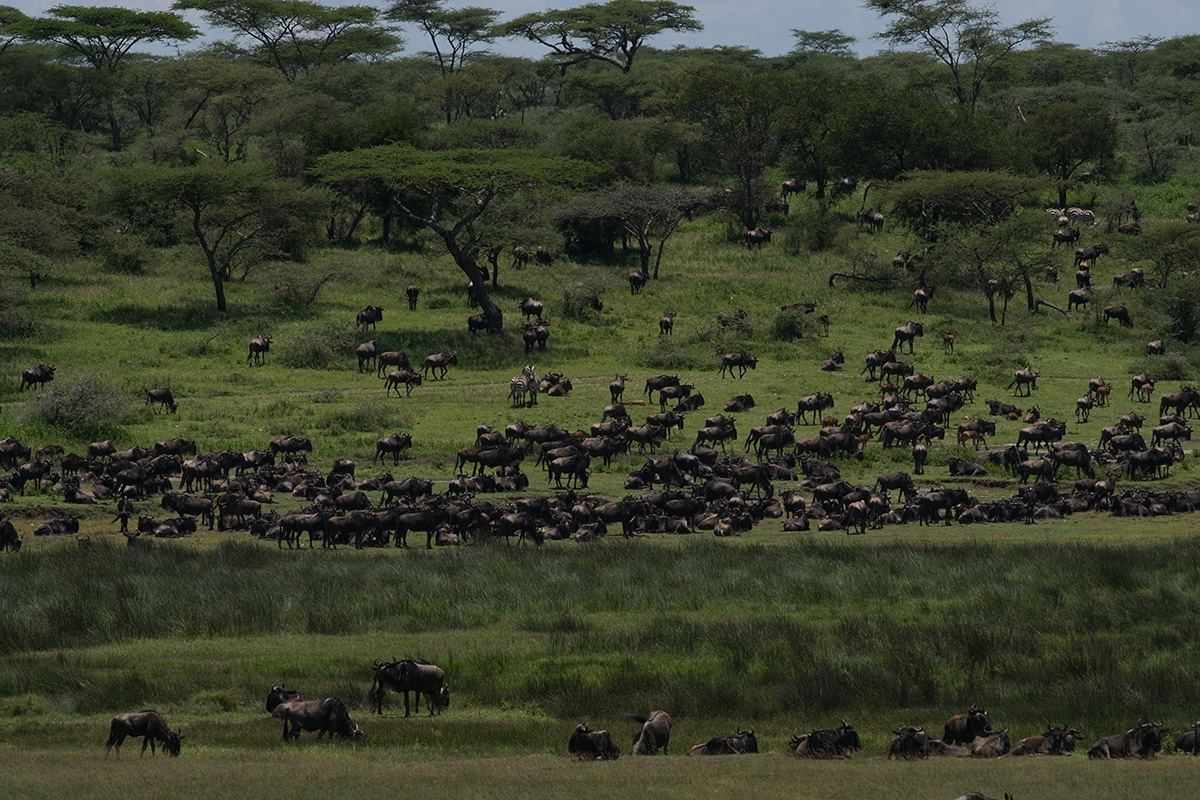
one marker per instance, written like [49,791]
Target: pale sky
[766,25]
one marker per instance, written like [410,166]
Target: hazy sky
[766,25]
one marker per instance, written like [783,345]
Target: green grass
[1087,620]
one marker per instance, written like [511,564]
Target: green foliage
[317,346]
[791,325]
[88,406]
[582,300]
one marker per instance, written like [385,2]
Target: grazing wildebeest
[259,347]
[1025,377]
[666,323]
[367,353]
[963,728]
[1156,348]
[369,316]
[740,744]
[520,256]
[1120,314]
[440,362]
[907,332]
[991,745]
[393,444]
[410,675]
[827,743]
[637,280]
[278,694]
[1135,278]
[38,375]
[412,292]
[9,540]
[1065,236]
[757,237]
[1143,741]
[148,724]
[164,399]
[324,716]
[654,735]
[589,745]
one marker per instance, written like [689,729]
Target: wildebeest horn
[378,664]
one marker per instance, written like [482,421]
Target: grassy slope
[209,649]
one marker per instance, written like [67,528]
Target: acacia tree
[237,214]
[297,36]
[102,37]
[9,17]
[450,192]
[970,42]
[453,32]
[1067,137]
[612,32]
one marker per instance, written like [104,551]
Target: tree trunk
[114,126]
[219,287]
[1029,294]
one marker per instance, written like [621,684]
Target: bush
[127,255]
[580,300]
[88,406]
[317,348]
[790,325]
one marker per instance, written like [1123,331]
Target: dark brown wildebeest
[875,360]
[1078,298]
[440,362]
[654,735]
[278,694]
[147,724]
[741,361]
[520,256]
[834,362]
[477,322]
[1187,742]
[666,323]
[814,404]
[637,280]
[39,375]
[1143,741]
[791,186]
[991,745]
[542,256]
[542,333]
[368,353]
[1120,314]
[948,342]
[1065,236]
[1090,253]
[1133,279]
[656,383]
[410,675]
[589,745]
[1056,741]
[412,292]
[392,358]
[9,540]
[910,742]
[980,796]
[530,307]
[393,444]
[963,728]
[259,347]
[324,716]
[369,316]
[907,332]
[757,237]
[741,743]
[163,398]
[871,218]
[617,387]
[12,452]
[1156,348]
[290,444]
[828,743]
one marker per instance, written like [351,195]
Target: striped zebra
[523,389]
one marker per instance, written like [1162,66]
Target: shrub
[581,299]
[790,325]
[318,348]
[127,255]
[87,406]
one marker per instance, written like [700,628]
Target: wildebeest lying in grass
[148,724]
[589,745]
[741,743]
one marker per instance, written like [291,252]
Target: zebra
[523,389]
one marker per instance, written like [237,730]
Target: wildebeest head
[279,694]
[592,745]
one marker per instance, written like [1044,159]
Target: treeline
[307,125]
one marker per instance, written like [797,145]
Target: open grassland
[1091,620]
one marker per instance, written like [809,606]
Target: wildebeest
[393,444]
[791,186]
[1090,253]
[1143,741]
[1078,298]
[654,735]
[1058,740]
[980,796]
[871,218]
[410,675]
[163,398]
[412,292]
[324,716]
[757,237]
[477,322]
[41,374]
[402,377]
[1133,279]
[1187,742]
[814,404]
[907,332]
[290,444]
[1120,314]
[440,362]
[666,323]
[147,724]
[991,745]
[741,361]
[1024,377]
[828,743]
[589,745]
[530,307]
[392,358]
[1065,236]
[1156,348]
[910,742]
[369,316]
[9,540]
[259,347]
[741,743]
[637,280]
[616,388]
[963,728]
[542,256]
[367,353]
